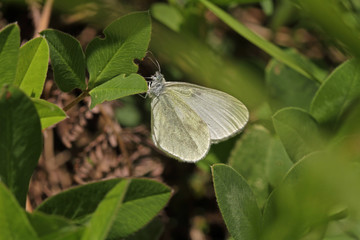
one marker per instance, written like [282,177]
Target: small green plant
[109,209]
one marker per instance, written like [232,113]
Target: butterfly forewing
[224,114]
[178,129]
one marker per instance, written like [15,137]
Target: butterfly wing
[177,129]
[224,114]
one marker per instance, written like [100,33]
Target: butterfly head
[156,84]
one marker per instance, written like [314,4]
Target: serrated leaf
[32,67]
[20,140]
[337,92]
[9,50]
[298,131]
[14,223]
[49,113]
[261,160]
[128,207]
[237,203]
[67,60]
[288,88]
[118,87]
[125,40]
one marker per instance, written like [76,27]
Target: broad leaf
[84,200]
[48,112]
[9,50]
[118,87]
[288,88]
[32,67]
[125,40]
[261,159]
[129,206]
[298,131]
[14,223]
[67,60]
[237,203]
[151,231]
[308,69]
[20,140]
[126,214]
[337,92]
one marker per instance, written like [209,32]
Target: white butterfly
[186,118]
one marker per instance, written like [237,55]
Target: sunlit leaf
[32,67]
[48,112]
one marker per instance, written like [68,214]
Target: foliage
[294,172]
[109,209]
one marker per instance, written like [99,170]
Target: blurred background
[191,45]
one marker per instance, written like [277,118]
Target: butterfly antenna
[152,58]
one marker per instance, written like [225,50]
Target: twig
[45,17]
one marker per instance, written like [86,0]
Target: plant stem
[76,100]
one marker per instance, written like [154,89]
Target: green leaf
[125,40]
[84,200]
[32,67]
[20,140]
[261,160]
[237,203]
[337,92]
[119,86]
[67,60]
[128,207]
[49,113]
[14,223]
[265,45]
[143,200]
[168,15]
[151,231]
[9,50]
[54,227]
[298,132]
[288,88]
